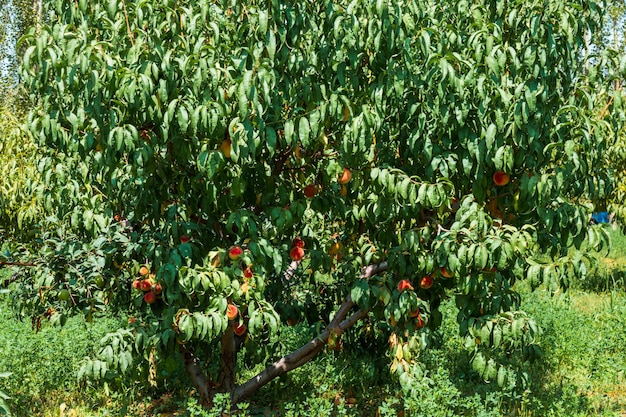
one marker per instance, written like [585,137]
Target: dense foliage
[369,159]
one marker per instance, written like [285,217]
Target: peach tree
[218,169]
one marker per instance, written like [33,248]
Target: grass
[582,371]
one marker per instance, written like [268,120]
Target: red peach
[426,282]
[404,284]
[296,254]
[501,178]
[232,311]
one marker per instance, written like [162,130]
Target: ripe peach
[232,311]
[446,273]
[426,282]
[404,284]
[137,284]
[310,191]
[226,147]
[240,329]
[296,253]
[234,253]
[298,242]
[157,288]
[146,285]
[185,238]
[247,272]
[150,297]
[501,178]
[144,270]
[346,176]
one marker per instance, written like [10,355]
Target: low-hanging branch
[338,325]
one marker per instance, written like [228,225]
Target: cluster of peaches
[297,249]
[425,283]
[231,313]
[146,282]
[234,253]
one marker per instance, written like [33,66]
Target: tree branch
[338,325]
[9,263]
[192,365]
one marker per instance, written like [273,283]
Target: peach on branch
[226,147]
[426,282]
[247,272]
[296,253]
[157,288]
[310,191]
[150,297]
[146,285]
[232,312]
[446,273]
[404,285]
[234,253]
[345,177]
[63,295]
[240,329]
[501,178]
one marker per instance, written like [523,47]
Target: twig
[130,34]
[9,263]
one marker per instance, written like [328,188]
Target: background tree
[217,168]
[19,207]
[614,39]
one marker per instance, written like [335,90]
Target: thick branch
[192,365]
[228,359]
[339,330]
[338,325]
[294,359]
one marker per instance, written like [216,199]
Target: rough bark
[200,381]
[228,359]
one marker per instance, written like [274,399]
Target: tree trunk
[228,360]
